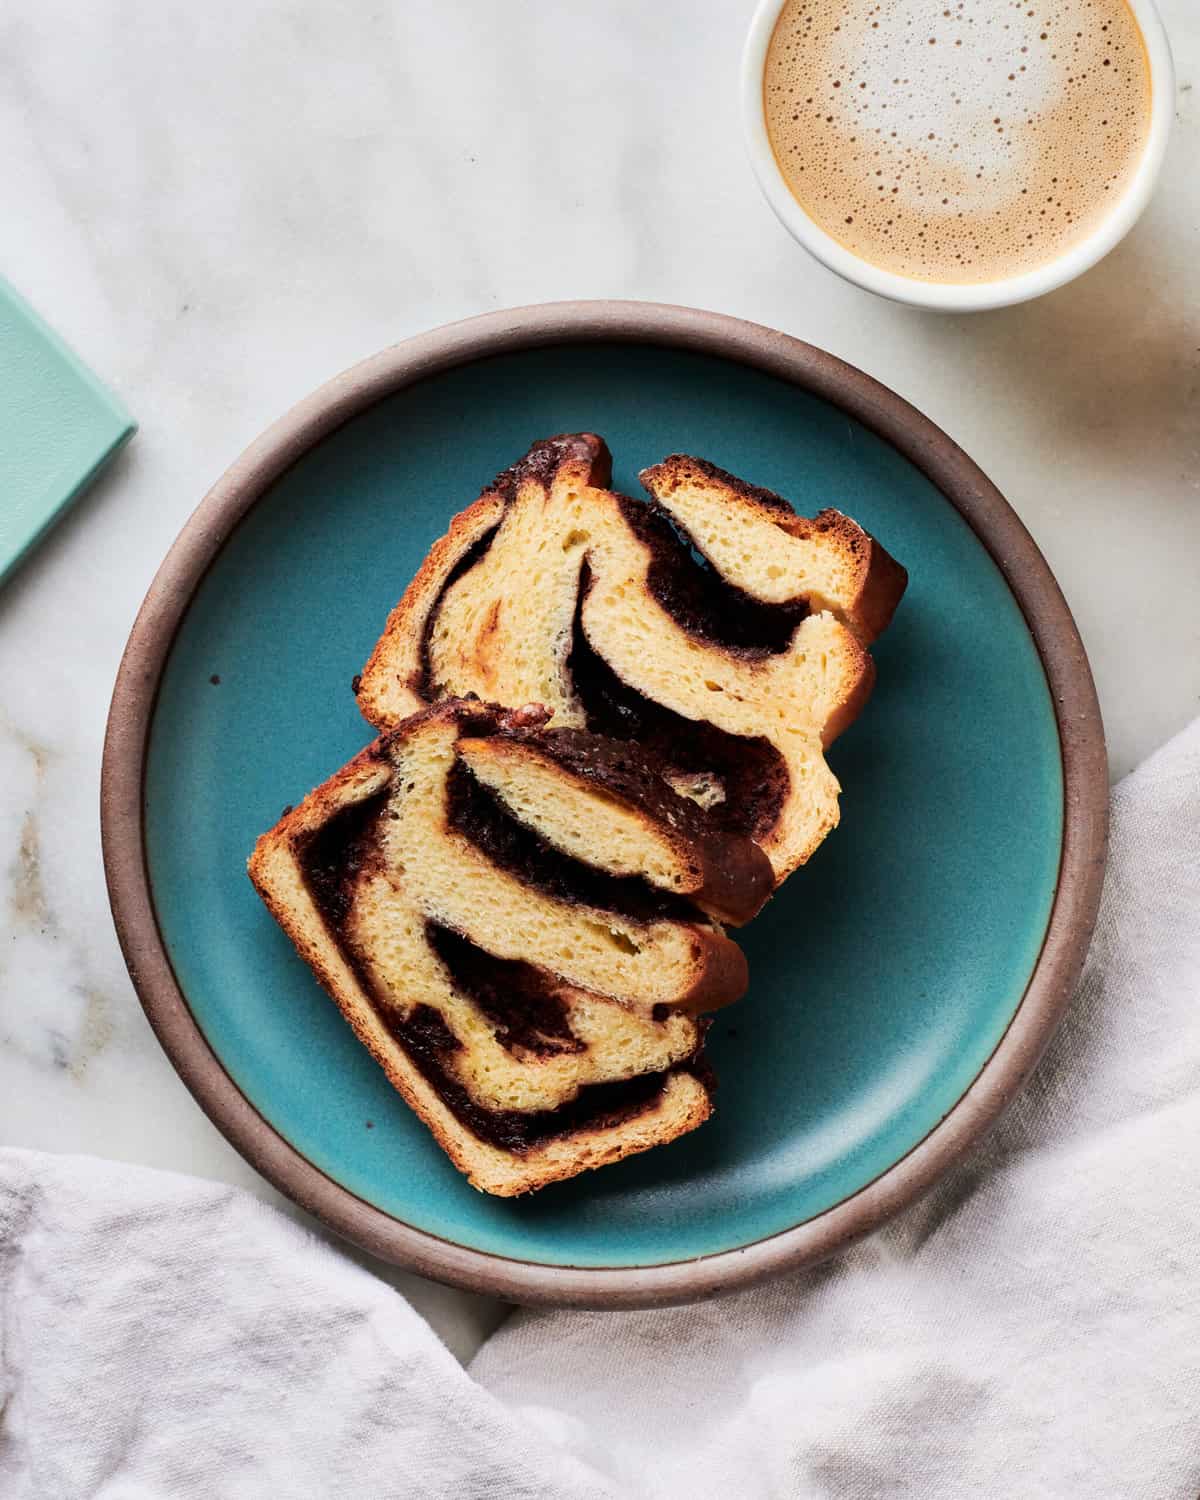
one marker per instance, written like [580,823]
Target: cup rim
[951,296]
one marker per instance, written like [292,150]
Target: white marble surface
[221,205]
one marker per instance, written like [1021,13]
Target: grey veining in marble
[221,205]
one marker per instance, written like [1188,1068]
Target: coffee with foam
[957,140]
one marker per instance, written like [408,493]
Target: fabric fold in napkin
[1032,1328]
[166,1337]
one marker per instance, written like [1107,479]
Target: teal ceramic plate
[878,1036]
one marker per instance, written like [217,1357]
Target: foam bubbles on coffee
[957,140]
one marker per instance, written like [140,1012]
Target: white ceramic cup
[948,296]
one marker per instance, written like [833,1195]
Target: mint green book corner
[59,426]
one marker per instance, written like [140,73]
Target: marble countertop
[221,206]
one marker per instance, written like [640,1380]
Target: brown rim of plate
[1081,735]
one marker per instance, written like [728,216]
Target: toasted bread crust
[581,455]
[659,639]
[275,867]
[487,1168]
[389,688]
[880,580]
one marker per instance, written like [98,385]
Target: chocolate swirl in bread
[514,921]
[713,625]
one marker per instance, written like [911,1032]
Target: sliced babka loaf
[712,626]
[509,919]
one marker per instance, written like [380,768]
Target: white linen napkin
[1030,1329]
[163,1338]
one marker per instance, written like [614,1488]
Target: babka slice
[508,919]
[712,626]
